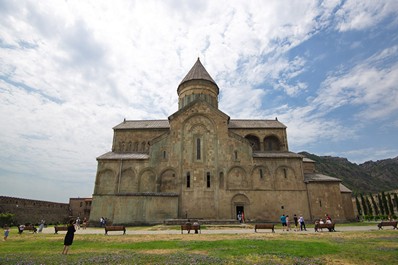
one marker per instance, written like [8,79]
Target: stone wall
[33,211]
[325,198]
[134,209]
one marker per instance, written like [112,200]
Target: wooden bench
[330,227]
[189,227]
[27,228]
[115,228]
[264,226]
[387,223]
[60,228]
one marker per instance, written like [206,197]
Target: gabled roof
[344,189]
[233,124]
[197,72]
[316,177]
[143,124]
[118,156]
[254,124]
[195,102]
[276,155]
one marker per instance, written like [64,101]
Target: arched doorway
[240,206]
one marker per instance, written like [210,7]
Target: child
[6,232]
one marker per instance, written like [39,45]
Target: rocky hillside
[370,176]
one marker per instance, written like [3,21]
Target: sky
[72,70]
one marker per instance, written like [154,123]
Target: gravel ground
[212,230]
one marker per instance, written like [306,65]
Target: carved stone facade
[201,164]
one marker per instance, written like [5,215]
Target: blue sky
[72,70]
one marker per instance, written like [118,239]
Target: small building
[200,163]
[80,207]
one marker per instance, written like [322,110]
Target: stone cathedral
[201,164]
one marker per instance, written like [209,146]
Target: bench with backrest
[387,223]
[329,226]
[115,228]
[60,228]
[264,226]
[27,228]
[189,227]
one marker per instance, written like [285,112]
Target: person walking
[302,223]
[295,222]
[287,223]
[283,221]
[84,223]
[6,232]
[41,226]
[68,240]
[77,223]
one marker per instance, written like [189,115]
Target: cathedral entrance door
[239,212]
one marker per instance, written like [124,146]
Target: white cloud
[361,14]
[71,70]
[371,84]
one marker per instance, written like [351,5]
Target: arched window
[198,149]
[271,143]
[254,142]
[188,179]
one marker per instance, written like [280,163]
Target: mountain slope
[370,176]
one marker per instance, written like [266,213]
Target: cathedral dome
[198,84]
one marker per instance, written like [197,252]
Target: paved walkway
[211,230]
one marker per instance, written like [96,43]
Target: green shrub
[368,217]
[6,219]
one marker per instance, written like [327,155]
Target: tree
[370,210]
[358,206]
[381,204]
[374,204]
[396,200]
[390,205]
[364,207]
[6,219]
[385,205]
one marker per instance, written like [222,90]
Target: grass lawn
[371,247]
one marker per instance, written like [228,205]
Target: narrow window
[198,153]
[236,155]
[320,203]
[164,155]
[261,173]
[188,180]
[208,179]
[285,172]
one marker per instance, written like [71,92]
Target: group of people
[297,220]
[79,223]
[194,226]
[327,220]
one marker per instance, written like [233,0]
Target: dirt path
[210,230]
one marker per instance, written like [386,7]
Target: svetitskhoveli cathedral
[199,163]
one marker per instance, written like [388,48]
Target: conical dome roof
[197,72]
[197,84]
